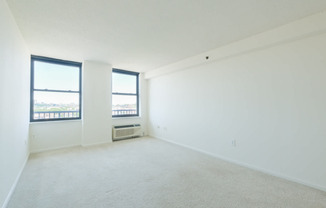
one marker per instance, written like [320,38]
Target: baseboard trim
[54,148]
[69,146]
[94,144]
[13,187]
[268,172]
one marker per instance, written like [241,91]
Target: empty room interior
[185,103]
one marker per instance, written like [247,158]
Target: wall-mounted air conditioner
[126,131]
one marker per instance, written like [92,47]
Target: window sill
[123,118]
[49,122]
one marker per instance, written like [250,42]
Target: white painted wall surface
[97,110]
[271,101]
[14,105]
[54,135]
[142,119]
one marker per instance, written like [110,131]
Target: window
[55,89]
[125,95]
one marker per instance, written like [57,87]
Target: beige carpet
[145,172]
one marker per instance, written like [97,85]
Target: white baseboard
[68,146]
[246,165]
[12,189]
[55,148]
[98,143]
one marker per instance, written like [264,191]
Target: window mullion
[118,93]
[46,90]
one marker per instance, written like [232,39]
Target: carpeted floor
[149,173]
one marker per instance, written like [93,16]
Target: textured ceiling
[142,35]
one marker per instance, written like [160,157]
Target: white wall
[271,101]
[14,105]
[53,135]
[97,117]
[142,119]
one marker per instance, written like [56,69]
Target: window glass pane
[124,83]
[124,105]
[52,105]
[55,77]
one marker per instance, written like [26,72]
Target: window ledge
[52,121]
[123,118]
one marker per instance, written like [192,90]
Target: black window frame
[136,74]
[32,89]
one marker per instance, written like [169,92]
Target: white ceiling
[142,35]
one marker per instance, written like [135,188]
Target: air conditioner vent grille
[126,131]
